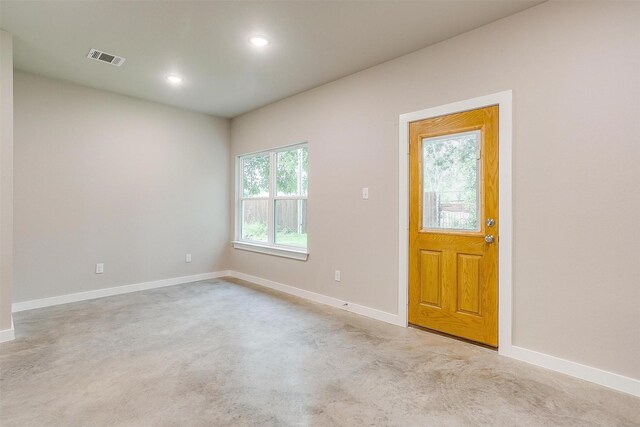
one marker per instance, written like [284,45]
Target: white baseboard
[574,369]
[322,299]
[117,290]
[588,373]
[8,334]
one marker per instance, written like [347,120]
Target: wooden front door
[453,224]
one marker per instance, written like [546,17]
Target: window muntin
[273,197]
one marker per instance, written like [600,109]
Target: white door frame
[505,259]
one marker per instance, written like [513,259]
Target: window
[272,202]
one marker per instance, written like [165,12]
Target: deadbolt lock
[491,222]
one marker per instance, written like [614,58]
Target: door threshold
[443,334]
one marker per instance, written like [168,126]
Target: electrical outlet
[99,268]
[187,258]
[336,276]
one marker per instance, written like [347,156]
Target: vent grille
[109,58]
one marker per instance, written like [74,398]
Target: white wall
[574,68]
[101,177]
[6,178]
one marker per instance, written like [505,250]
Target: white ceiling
[313,42]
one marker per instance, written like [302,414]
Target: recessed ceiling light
[259,41]
[174,79]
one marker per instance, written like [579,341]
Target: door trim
[505,254]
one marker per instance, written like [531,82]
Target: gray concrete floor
[225,352]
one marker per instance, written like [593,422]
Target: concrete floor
[221,353]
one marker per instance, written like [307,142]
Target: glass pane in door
[451,182]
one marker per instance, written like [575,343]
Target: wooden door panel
[431,278]
[453,272]
[468,281]
[442,242]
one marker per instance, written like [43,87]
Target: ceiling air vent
[105,57]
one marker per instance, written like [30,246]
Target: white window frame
[269,247]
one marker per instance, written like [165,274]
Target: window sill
[299,254]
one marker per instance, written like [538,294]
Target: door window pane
[451,191]
[255,215]
[291,172]
[291,222]
[255,176]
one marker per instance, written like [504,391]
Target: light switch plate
[365,193]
